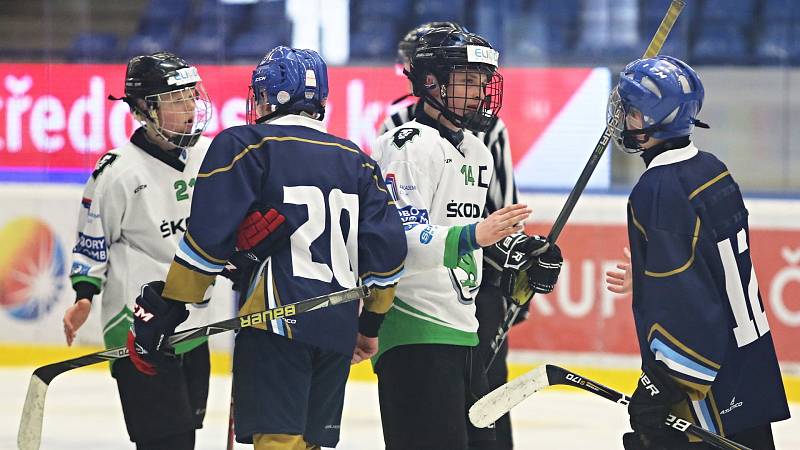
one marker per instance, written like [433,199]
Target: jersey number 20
[747,330]
[342,250]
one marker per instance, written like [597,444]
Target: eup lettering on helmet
[187,75]
[481,54]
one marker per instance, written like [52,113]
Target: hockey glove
[154,320]
[260,235]
[650,405]
[543,273]
[524,271]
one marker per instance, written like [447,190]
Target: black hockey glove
[529,265]
[154,320]
[260,235]
[650,405]
[543,273]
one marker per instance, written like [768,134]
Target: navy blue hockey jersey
[696,302]
[346,227]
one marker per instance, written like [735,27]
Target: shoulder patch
[105,161]
[404,135]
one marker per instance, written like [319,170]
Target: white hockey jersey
[438,189]
[133,214]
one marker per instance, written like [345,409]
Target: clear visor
[180,116]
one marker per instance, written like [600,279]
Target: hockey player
[439,176]
[289,374]
[502,191]
[707,352]
[133,214]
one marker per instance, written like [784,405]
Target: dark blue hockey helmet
[668,94]
[288,81]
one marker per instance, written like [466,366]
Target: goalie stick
[656,43]
[29,436]
[498,402]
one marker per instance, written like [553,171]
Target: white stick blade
[30,424]
[500,401]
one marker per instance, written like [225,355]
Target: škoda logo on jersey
[268,315]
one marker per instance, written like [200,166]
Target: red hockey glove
[262,233]
[154,320]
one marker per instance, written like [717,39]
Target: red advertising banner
[582,316]
[56,118]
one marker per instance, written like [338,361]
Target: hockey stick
[656,43]
[498,402]
[231,431]
[30,427]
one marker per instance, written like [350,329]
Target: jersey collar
[299,120]
[170,158]
[455,138]
[673,156]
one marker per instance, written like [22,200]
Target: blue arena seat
[172,10]
[435,10]
[740,12]
[92,46]
[374,40]
[200,47]
[721,44]
[773,10]
[252,45]
[143,44]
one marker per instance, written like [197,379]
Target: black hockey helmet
[443,52]
[162,78]
[407,45]
[158,73]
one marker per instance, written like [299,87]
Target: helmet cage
[455,96]
[179,116]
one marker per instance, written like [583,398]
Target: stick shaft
[30,430]
[653,48]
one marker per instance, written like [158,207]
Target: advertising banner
[581,315]
[56,120]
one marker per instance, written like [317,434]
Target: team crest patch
[403,136]
[105,161]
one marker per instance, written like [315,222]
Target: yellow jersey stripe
[707,184]
[196,248]
[257,145]
[636,222]
[657,327]
[687,264]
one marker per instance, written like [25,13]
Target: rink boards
[580,324]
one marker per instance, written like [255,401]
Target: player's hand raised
[501,223]
[619,281]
